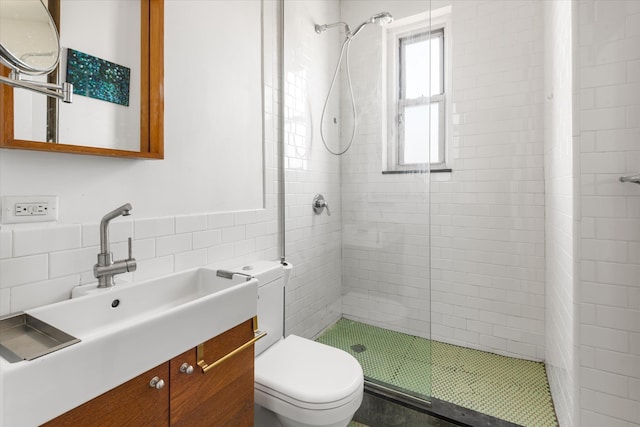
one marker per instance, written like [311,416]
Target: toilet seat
[284,372]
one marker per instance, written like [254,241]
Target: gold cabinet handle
[206,367]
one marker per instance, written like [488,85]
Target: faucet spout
[124,210]
[106,268]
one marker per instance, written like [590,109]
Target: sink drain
[358,348]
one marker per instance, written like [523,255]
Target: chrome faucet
[319,204]
[106,267]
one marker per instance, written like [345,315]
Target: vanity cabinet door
[133,404]
[222,396]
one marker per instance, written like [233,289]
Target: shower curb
[438,408]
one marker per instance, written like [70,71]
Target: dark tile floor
[380,412]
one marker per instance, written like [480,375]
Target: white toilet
[298,382]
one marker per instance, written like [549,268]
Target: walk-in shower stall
[421,125]
[358,120]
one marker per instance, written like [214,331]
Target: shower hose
[344,52]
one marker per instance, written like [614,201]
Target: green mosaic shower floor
[513,390]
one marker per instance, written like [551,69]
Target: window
[417,90]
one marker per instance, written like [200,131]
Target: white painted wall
[89,121]
[561,314]
[213,198]
[214,158]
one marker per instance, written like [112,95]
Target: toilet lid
[308,374]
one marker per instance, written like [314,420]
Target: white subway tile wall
[561,318]
[191,223]
[119,231]
[486,224]
[74,261]
[5,301]
[313,242]
[154,227]
[29,281]
[6,244]
[23,270]
[488,215]
[609,85]
[385,229]
[35,241]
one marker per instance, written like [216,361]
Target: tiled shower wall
[313,242]
[385,230]
[560,296]
[488,215]
[609,121]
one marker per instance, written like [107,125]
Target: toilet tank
[272,280]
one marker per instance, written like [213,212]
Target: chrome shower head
[381,18]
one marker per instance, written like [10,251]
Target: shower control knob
[185,368]
[319,204]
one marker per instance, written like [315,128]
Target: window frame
[426,26]
[405,40]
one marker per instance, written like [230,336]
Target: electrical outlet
[28,209]
[17,209]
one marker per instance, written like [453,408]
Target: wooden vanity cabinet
[222,396]
[133,403]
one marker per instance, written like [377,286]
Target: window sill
[394,172]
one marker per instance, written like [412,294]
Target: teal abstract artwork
[98,78]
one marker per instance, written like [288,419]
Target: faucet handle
[319,204]
[326,205]
[130,263]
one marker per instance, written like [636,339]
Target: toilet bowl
[306,383]
[298,382]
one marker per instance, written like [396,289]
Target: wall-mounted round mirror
[29,40]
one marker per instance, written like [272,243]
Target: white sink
[121,304]
[123,331]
